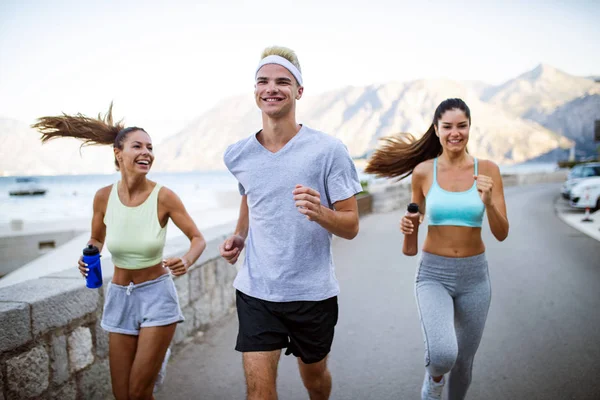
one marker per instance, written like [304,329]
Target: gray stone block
[202,311]
[54,302]
[217,309]
[196,284]
[73,272]
[59,359]
[94,383]
[222,271]
[15,321]
[238,265]
[228,297]
[1,385]
[182,283]
[67,391]
[80,349]
[229,271]
[209,277]
[70,273]
[186,328]
[212,244]
[176,247]
[28,373]
[101,341]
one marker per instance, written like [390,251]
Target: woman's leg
[121,353]
[436,309]
[471,310]
[152,346]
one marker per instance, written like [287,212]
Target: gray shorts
[151,303]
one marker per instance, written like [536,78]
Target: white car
[586,194]
[577,174]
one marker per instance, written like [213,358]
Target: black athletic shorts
[304,327]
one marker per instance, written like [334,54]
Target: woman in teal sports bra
[452,285]
[141,308]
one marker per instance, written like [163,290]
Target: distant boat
[27,187]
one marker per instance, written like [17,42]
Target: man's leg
[316,378]
[260,369]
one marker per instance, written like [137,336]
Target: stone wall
[390,195]
[532,179]
[51,342]
[365,203]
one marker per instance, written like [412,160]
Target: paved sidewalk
[540,341]
[574,217]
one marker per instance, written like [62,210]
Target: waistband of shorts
[462,262]
[142,284]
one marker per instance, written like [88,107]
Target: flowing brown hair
[400,154]
[92,131]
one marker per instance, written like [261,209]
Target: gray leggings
[453,297]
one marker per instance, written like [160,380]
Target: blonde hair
[284,52]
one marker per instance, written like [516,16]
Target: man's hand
[308,202]
[231,248]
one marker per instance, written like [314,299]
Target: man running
[297,186]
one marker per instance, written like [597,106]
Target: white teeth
[143,162]
[269,100]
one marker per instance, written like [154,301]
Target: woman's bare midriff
[124,276]
[454,241]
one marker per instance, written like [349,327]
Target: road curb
[592,229]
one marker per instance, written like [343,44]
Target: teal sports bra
[454,208]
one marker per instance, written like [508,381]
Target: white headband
[284,63]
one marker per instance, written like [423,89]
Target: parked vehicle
[27,186]
[577,174]
[586,194]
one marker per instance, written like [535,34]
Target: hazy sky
[164,65]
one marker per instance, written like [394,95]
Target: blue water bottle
[91,256]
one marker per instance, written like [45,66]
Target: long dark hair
[400,154]
[92,131]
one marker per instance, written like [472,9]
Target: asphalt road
[541,341]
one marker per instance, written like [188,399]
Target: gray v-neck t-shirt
[288,257]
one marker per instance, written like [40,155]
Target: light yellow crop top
[134,236]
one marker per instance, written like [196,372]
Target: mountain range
[537,115]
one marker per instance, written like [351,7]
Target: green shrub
[365,186]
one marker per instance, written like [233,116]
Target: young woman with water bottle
[130,217]
[452,284]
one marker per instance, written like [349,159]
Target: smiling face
[453,130]
[136,156]
[276,91]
